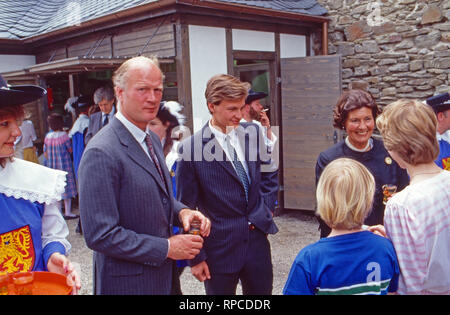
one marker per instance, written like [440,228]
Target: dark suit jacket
[213,186]
[127,214]
[95,124]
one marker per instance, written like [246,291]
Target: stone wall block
[389,91]
[361,71]
[345,49]
[351,63]
[432,14]
[416,65]
[370,47]
[357,30]
[405,44]
[401,67]
[446,4]
[429,40]
[446,37]
[387,61]
[359,84]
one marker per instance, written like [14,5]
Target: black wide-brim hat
[253,96]
[440,102]
[19,94]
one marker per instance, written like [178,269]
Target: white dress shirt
[270,143]
[222,138]
[135,131]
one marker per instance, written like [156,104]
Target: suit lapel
[161,159]
[218,152]
[136,152]
[98,121]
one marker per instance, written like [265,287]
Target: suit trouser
[256,275]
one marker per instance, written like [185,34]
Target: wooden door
[310,87]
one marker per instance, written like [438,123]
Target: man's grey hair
[103,93]
[120,76]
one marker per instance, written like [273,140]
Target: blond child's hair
[408,127]
[345,193]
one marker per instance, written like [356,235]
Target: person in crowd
[355,113]
[126,201]
[164,126]
[78,133]
[79,129]
[220,174]
[33,233]
[254,112]
[441,106]
[25,148]
[350,260]
[417,219]
[57,153]
[168,118]
[104,99]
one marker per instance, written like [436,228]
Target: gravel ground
[296,230]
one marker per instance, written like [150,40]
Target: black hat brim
[255,96]
[20,94]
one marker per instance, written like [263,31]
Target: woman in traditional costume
[33,233]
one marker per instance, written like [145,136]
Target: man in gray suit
[104,99]
[126,201]
[221,173]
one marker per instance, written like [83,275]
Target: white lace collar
[32,182]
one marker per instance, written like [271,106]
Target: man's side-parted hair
[225,87]
[103,93]
[408,127]
[120,76]
[345,193]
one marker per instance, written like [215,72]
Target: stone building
[392,48]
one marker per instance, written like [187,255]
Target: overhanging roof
[75,64]
[72,65]
[30,20]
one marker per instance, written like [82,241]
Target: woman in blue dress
[355,113]
[33,233]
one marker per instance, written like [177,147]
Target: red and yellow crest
[16,251]
[446,164]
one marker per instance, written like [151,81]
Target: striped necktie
[151,151]
[240,170]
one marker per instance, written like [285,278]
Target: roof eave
[230,7]
[241,8]
[102,20]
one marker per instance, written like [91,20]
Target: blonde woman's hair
[408,127]
[225,87]
[345,194]
[120,76]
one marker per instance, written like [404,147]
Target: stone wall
[392,48]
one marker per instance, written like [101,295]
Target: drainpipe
[325,38]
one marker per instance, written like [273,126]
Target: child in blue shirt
[350,260]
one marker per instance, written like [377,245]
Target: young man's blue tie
[242,174]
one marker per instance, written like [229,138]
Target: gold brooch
[172,173]
[388,160]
